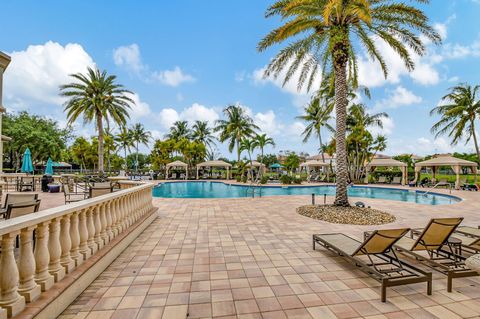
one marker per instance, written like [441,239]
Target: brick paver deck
[253,258]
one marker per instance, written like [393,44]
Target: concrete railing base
[67,290]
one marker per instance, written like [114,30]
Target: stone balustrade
[40,249]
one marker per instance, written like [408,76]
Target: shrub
[286,179]
[297,180]
[238,178]
[264,179]
[244,179]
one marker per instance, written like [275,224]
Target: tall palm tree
[235,127]
[248,145]
[125,142]
[458,114]
[260,141]
[139,136]
[97,97]
[179,130]
[325,37]
[203,134]
[316,115]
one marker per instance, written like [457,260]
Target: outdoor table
[53,188]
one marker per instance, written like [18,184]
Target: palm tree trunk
[238,150]
[100,142]
[341,197]
[475,140]
[125,153]
[136,158]
[321,145]
[261,163]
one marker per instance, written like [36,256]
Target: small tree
[292,162]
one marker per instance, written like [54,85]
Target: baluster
[118,210]
[84,249]
[10,299]
[129,211]
[42,257]
[113,215]
[123,211]
[27,287]
[55,250]
[98,226]
[91,231]
[103,222]
[66,245]
[108,213]
[75,240]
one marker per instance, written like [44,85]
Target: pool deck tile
[253,258]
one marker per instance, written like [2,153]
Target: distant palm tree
[316,115]
[125,142]
[458,114]
[179,130]
[325,38]
[260,141]
[235,127]
[203,134]
[248,145]
[139,136]
[98,98]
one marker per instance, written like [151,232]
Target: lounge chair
[381,262]
[437,249]
[20,209]
[73,196]
[382,180]
[16,199]
[397,180]
[26,184]
[470,237]
[96,191]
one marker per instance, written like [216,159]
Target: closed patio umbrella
[49,167]
[27,166]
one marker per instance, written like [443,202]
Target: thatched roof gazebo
[257,164]
[223,164]
[176,164]
[314,163]
[386,162]
[455,163]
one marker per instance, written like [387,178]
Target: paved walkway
[253,258]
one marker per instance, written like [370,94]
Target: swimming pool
[222,190]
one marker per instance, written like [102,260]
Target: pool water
[222,190]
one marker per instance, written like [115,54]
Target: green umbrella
[49,167]
[27,166]
[276,165]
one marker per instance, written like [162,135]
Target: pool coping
[233,183]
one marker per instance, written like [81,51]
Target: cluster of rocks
[346,215]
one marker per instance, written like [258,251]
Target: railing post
[103,222]
[75,239]
[26,267]
[84,249]
[108,211]
[10,299]
[91,231]
[42,257]
[66,244]
[55,250]
[98,226]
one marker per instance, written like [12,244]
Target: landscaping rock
[346,215]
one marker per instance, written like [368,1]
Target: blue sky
[189,59]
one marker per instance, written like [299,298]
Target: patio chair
[382,179]
[72,196]
[376,257]
[397,180]
[20,209]
[470,237]
[436,249]
[26,184]
[442,183]
[16,199]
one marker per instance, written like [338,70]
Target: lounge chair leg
[313,242]
[449,282]
[429,284]
[384,293]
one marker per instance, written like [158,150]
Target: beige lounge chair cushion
[469,230]
[436,233]
[347,244]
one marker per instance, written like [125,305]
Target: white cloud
[129,57]
[35,74]
[268,123]
[454,79]
[196,112]
[400,96]
[173,77]
[139,109]
[388,126]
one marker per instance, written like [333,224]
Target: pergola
[455,163]
[223,164]
[176,164]
[258,165]
[314,163]
[386,162]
